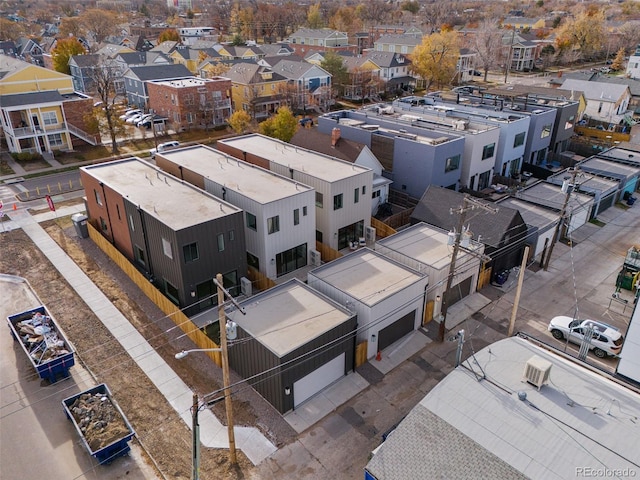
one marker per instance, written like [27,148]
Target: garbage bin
[80,224]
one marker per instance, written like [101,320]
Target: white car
[134,118]
[163,147]
[144,119]
[129,113]
[605,339]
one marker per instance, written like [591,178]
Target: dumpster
[43,342]
[97,418]
[80,224]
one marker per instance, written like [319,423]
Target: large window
[546,131]
[251,221]
[452,163]
[291,260]
[273,224]
[138,253]
[519,140]
[190,252]
[98,197]
[356,195]
[49,118]
[172,292]
[319,200]
[221,242]
[296,216]
[569,123]
[487,151]
[166,248]
[337,201]
[253,261]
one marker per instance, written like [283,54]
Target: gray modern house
[179,236]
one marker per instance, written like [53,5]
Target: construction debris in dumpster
[40,338]
[98,419]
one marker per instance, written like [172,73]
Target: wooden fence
[484,277]
[361,353]
[163,303]
[259,281]
[326,252]
[382,229]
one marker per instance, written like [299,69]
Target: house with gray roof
[394,70]
[608,103]
[399,43]
[309,84]
[135,81]
[503,233]
[81,67]
[492,417]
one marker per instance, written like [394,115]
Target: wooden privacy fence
[382,229]
[484,277]
[259,280]
[361,353]
[326,252]
[163,303]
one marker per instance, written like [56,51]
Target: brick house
[191,102]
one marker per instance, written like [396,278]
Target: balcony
[25,132]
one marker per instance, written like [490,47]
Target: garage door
[320,378]
[396,330]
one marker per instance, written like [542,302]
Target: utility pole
[523,267]
[225,370]
[195,436]
[468,205]
[567,188]
[507,65]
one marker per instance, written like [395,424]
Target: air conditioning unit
[537,371]
[370,235]
[245,286]
[316,258]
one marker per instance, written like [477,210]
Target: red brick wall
[75,111]
[185,100]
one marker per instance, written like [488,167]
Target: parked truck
[103,428]
[43,342]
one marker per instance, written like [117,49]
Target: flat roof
[367,276]
[245,178]
[323,167]
[532,214]
[184,82]
[159,194]
[604,166]
[580,419]
[428,245]
[550,195]
[623,154]
[288,316]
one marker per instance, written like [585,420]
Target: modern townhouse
[388,297]
[305,337]
[178,235]
[136,78]
[414,154]
[280,217]
[343,189]
[191,102]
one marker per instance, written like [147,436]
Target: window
[356,195]
[171,291]
[251,221]
[166,248]
[569,123]
[190,252]
[55,140]
[487,151]
[304,211]
[103,225]
[452,163]
[132,225]
[291,260]
[273,224]
[319,199]
[253,261]
[546,131]
[118,211]
[375,194]
[49,118]
[364,190]
[296,216]
[337,201]
[232,235]
[519,140]
[221,242]
[139,255]
[600,108]
[98,197]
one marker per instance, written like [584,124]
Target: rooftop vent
[537,371]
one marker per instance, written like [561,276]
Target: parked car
[164,147]
[143,119]
[476,73]
[129,113]
[605,340]
[134,118]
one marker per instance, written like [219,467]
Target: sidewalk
[212,433]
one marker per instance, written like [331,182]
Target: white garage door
[308,386]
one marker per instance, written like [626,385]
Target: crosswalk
[7,198]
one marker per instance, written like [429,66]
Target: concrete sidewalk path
[212,433]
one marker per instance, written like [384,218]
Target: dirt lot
[158,426]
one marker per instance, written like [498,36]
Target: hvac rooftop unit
[245,286]
[537,371]
[316,258]
[370,235]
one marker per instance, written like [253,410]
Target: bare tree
[487,45]
[104,76]
[435,15]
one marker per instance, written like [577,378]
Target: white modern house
[388,296]
[279,213]
[342,189]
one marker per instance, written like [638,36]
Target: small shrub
[26,157]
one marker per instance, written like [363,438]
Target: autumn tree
[314,17]
[374,12]
[104,76]
[11,30]
[239,121]
[282,125]
[487,45]
[582,35]
[70,27]
[345,20]
[334,64]
[435,59]
[629,35]
[618,61]
[411,6]
[99,23]
[169,35]
[65,48]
